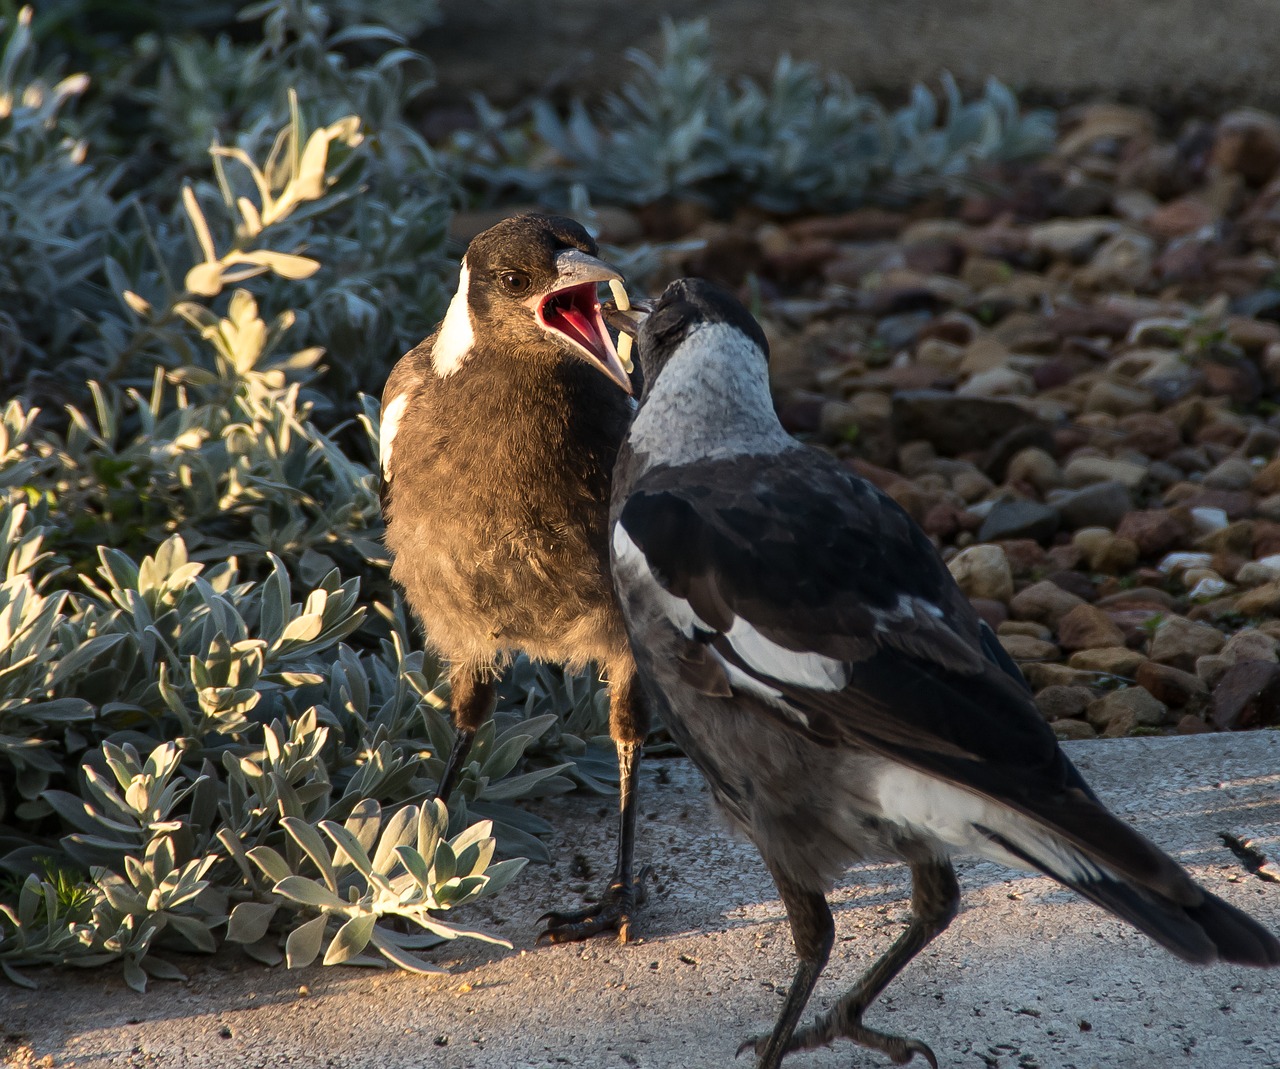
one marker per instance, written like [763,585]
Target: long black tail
[1173,910]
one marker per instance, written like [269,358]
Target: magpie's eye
[515,282]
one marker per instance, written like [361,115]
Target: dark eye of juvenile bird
[515,281]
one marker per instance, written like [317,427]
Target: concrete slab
[1156,51]
[1027,976]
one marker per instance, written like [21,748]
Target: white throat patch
[453,343]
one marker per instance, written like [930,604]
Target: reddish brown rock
[1086,628]
[936,256]
[1247,143]
[993,612]
[1151,433]
[944,520]
[1090,321]
[1190,724]
[1064,558]
[1266,538]
[1155,531]
[1172,686]
[861,224]
[1237,504]
[798,263]
[1182,216]
[1240,380]
[1135,624]
[1248,696]
[1025,555]
[1267,480]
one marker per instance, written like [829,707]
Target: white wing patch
[453,343]
[907,608]
[631,571]
[745,681]
[391,417]
[765,656]
[937,809]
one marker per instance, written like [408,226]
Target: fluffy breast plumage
[497,509]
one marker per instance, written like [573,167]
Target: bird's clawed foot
[899,1049]
[612,913]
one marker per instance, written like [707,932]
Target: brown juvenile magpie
[499,433]
[809,650]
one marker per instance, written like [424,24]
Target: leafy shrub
[804,142]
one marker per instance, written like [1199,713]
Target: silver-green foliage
[76,224]
[203,672]
[804,141]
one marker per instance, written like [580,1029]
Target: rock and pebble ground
[1069,375]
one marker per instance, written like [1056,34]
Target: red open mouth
[574,313]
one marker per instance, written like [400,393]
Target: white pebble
[1207,520]
[1209,587]
[1180,562]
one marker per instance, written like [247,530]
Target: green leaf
[349,845]
[351,939]
[399,956]
[273,866]
[309,839]
[249,921]
[309,893]
[303,944]
[501,873]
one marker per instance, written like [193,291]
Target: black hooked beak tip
[626,321]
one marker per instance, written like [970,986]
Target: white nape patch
[710,401]
[631,570]
[951,814]
[453,343]
[787,666]
[390,427]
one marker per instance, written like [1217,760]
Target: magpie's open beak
[572,311]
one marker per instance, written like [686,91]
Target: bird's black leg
[473,695]
[628,724]
[813,932]
[935,897]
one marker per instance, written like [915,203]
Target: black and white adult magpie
[499,433]
[807,647]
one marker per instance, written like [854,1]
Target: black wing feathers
[810,567]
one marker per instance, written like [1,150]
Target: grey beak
[628,321]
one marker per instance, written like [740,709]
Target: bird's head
[530,280]
[676,319]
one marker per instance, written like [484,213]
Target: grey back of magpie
[805,644]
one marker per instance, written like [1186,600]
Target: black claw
[611,914]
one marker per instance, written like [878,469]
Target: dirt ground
[1028,976]
[1153,51]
